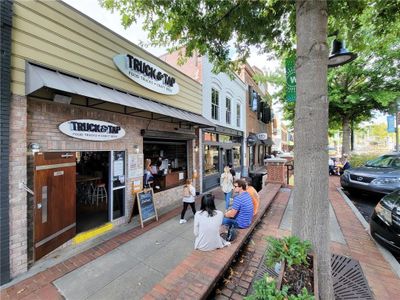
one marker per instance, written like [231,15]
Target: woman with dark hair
[207,222]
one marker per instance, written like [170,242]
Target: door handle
[39,205]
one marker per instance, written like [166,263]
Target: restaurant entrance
[92,189]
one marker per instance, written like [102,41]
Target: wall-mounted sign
[146,74]
[251,140]
[262,136]
[92,130]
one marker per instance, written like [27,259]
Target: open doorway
[92,189]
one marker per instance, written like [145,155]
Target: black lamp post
[340,55]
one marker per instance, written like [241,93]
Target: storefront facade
[87,108]
[258,121]
[224,105]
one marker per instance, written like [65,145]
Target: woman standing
[226,183]
[188,199]
[207,222]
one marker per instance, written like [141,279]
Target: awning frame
[38,77]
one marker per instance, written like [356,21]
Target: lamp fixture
[340,55]
[34,148]
[136,148]
[196,148]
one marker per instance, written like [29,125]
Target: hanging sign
[290,65]
[146,74]
[262,136]
[92,130]
[390,124]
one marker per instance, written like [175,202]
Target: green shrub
[358,160]
[265,289]
[289,249]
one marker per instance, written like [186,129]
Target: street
[366,203]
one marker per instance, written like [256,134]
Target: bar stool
[99,194]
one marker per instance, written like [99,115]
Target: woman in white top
[188,199]
[226,183]
[207,222]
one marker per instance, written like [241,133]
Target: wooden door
[55,200]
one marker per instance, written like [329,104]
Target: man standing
[241,213]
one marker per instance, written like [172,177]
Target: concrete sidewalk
[129,265]
[126,266]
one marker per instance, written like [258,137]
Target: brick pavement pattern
[384,283]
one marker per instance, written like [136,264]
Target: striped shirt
[244,205]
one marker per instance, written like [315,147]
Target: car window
[396,162]
[384,161]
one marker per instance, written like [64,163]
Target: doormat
[87,235]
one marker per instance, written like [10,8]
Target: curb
[387,255]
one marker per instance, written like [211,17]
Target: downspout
[5,78]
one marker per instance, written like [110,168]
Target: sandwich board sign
[147,208]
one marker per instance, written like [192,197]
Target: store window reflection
[236,157]
[210,160]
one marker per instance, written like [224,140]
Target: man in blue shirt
[241,213]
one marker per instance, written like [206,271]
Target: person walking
[226,183]
[207,222]
[241,213]
[189,192]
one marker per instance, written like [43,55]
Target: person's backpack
[186,191]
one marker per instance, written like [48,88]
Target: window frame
[214,104]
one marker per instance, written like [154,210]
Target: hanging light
[340,55]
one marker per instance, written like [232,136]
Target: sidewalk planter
[284,270]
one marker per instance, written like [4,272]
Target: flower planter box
[283,270]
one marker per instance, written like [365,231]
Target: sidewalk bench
[196,276]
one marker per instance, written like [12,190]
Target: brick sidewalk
[383,282]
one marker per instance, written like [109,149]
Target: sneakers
[182,221]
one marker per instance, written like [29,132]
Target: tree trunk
[346,135]
[311,205]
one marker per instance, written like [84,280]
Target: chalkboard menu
[147,209]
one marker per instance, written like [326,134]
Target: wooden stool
[99,194]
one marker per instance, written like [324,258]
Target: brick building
[86,109]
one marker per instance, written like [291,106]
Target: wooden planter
[283,270]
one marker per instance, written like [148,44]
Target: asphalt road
[366,203]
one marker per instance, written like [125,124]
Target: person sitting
[255,198]
[331,164]
[241,213]
[345,164]
[207,222]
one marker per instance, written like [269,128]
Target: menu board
[147,208]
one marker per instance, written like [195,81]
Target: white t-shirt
[192,192]
[206,231]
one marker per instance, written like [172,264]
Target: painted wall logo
[92,130]
[146,74]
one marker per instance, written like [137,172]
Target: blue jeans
[227,199]
[229,221]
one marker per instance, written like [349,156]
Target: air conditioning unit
[62,99]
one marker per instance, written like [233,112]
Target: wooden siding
[53,34]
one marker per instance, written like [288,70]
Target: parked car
[385,222]
[381,175]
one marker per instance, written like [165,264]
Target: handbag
[230,236]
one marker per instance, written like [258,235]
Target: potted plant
[292,259]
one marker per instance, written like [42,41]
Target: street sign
[390,124]
[290,65]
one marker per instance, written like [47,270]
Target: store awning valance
[38,77]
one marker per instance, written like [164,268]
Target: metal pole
[397,124]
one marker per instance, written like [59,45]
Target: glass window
[225,138]
[210,159]
[211,137]
[238,112]
[214,104]
[118,183]
[228,110]
[236,157]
